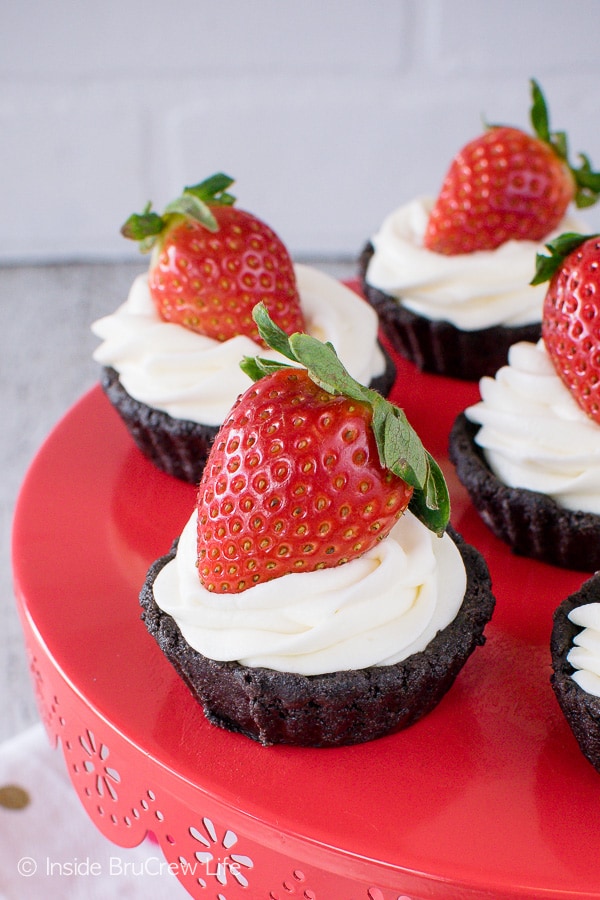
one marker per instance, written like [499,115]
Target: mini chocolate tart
[180,447]
[580,709]
[334,709]
[437,346]
[532,524]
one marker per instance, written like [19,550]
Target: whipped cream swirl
[585,655]
[470,290]
[375,610]
[193,377]
[534,434]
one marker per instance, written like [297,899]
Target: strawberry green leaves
[195,202]
[559,249]
[400,449]
[213,190]
[142,225]
[587,182]
[540,119]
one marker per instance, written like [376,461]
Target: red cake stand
[488,796]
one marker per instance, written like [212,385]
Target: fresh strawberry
[571,315]
[309,471]
[212,263]
[507,184]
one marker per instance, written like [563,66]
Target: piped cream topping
[375,610]
[192,377]
[470,290]
[585,655]
[533,433]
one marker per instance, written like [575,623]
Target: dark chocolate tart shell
[437,346]
[175,446]
[180,447]
[580,709]
[334,709]
[532,524]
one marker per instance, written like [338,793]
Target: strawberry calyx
[399,447]
[559,249]
[586,181]
[195,202]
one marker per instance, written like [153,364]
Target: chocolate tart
[180,447]
[581,710]
[437,346]
[532,524]
[334,709]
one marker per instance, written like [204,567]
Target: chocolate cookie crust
[180,447]
[437,346]
[532,524]
[581,710]
[334,709]
[175,446]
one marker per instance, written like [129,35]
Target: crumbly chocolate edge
[437,346]
[337,708]
[175,446]
[580,709]
[532,524]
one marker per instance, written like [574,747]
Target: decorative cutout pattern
[215,860]
[375,894]
[210,858]
[294,886]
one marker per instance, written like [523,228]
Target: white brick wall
[327,112]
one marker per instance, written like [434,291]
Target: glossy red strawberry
[507,184]
[212,263]
[571,315]
[300,478]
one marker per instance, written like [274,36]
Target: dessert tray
[488,796]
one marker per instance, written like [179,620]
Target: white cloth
[50,850]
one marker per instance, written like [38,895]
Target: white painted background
[327,112]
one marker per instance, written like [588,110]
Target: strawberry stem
[400,448]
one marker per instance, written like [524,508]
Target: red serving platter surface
[489,791]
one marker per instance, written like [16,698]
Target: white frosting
[193,377]
[585,655]
[375,610]
[534,434]
[470,290]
